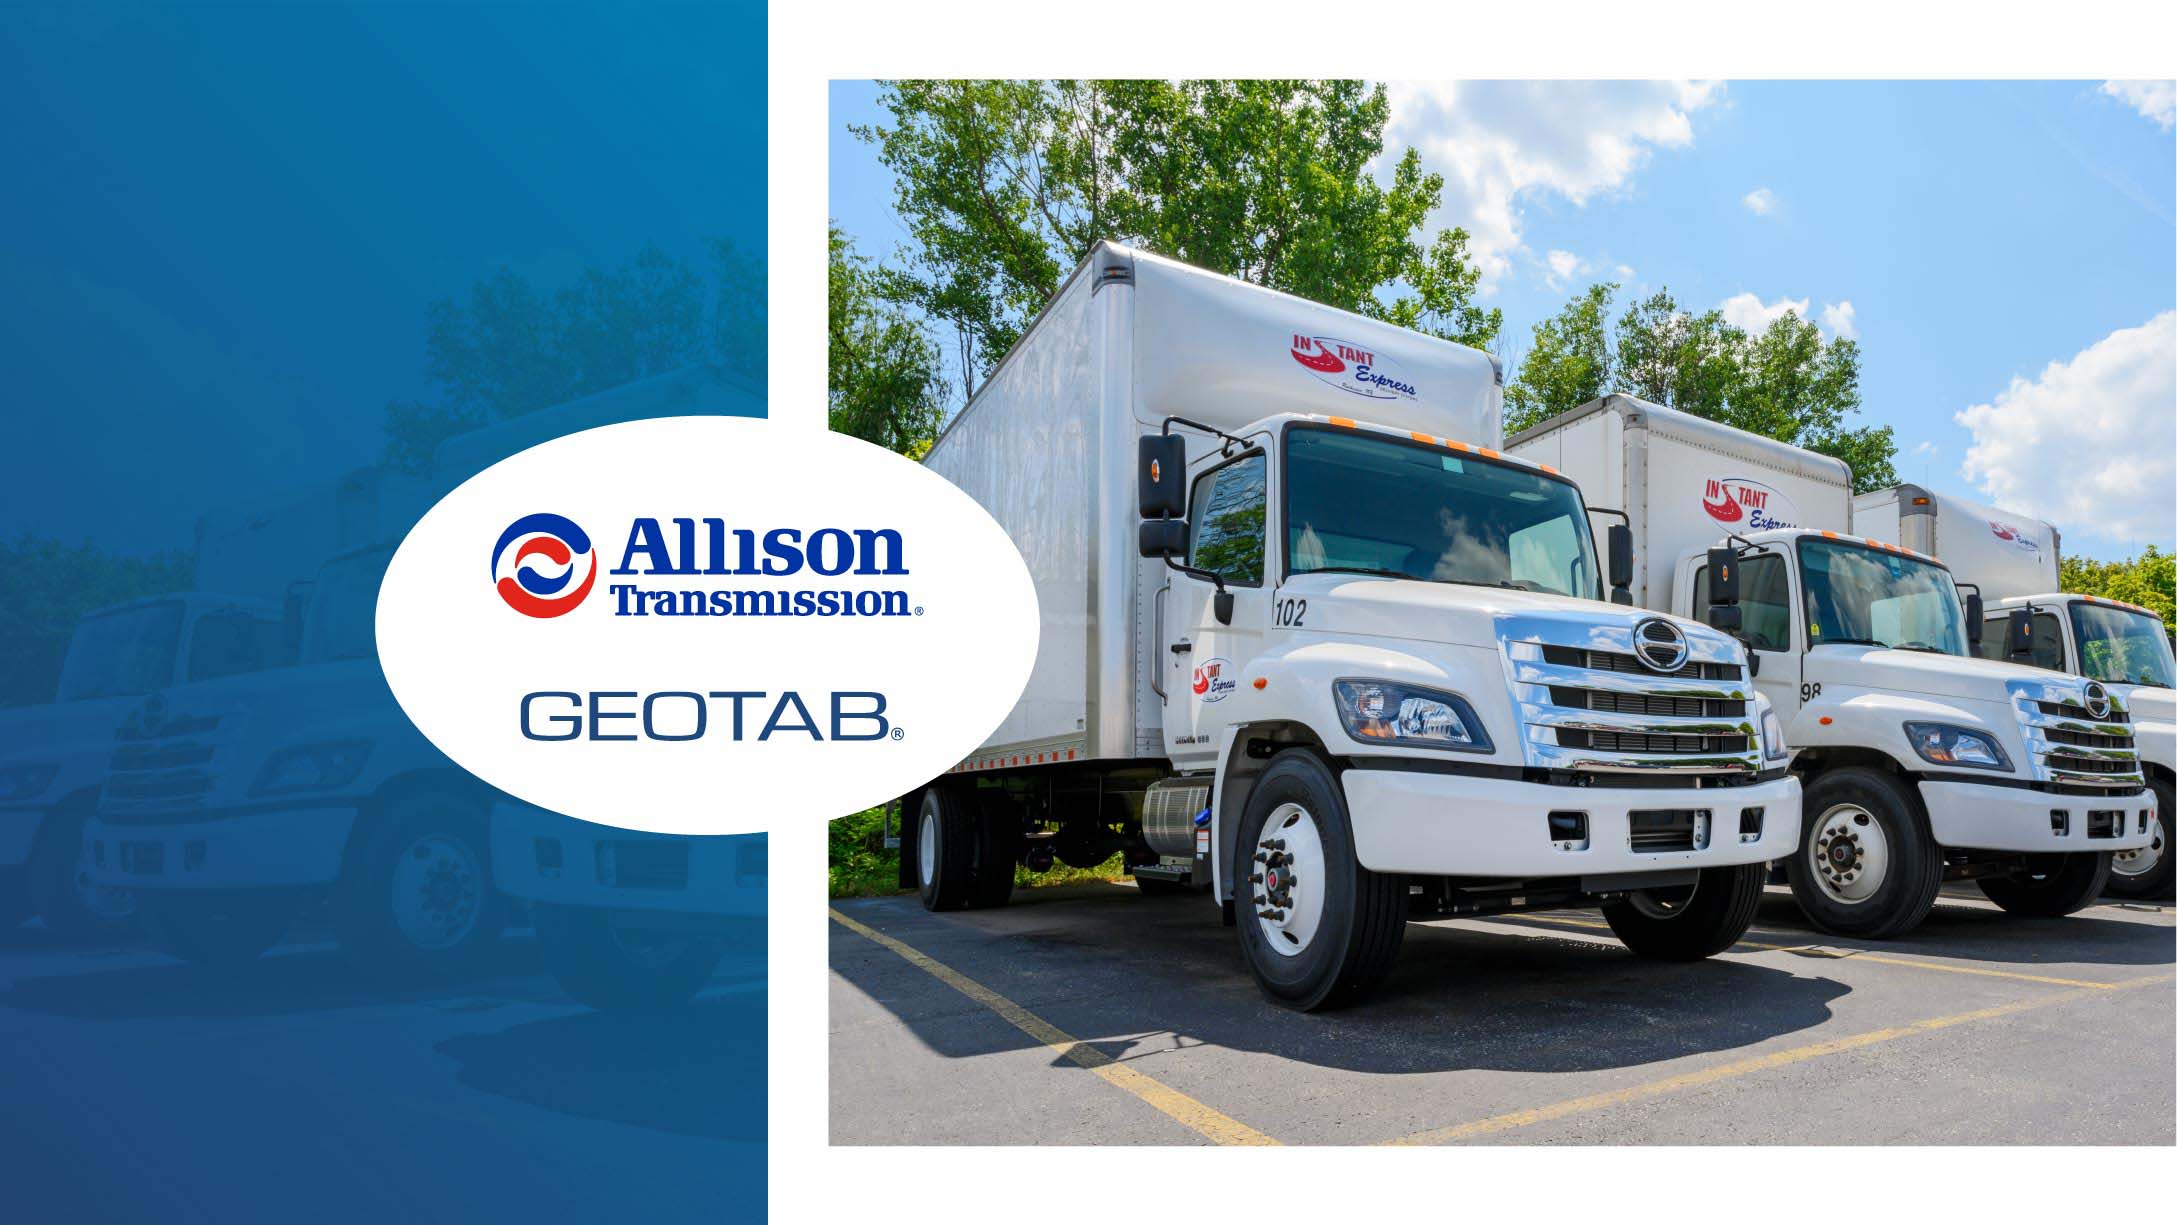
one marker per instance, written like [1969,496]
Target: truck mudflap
[1980,817]
[268,849]
[545,857]
[1466,825]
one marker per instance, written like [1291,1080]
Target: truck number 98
[1808,693]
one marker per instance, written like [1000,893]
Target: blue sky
[222,227]
[1979,232]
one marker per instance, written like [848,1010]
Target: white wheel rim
[1850,854]
[438,892]
[1664,903]
[2147,858]
[1287,880]
[926,846]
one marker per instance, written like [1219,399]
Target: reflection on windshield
[344,608]
[1861,595]
[1373,505]
[2120,646]
[122,654]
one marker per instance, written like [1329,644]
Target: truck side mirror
[1165,538]
[1975,612]
[1163,476]
[1723,590]
[2018,636]
[1620,547]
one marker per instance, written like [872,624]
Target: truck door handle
[1182,647]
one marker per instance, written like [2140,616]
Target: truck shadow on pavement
[1134,976]
[1981,934]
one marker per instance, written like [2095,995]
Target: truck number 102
[1292,612]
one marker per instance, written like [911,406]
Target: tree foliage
[511,348]
[50,587]
[2148,580]
[1005,185]
[885,384]
[1784,382]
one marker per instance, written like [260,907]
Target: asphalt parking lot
[297,1088]
[1095,1015]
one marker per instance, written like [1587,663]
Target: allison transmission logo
[721,624]
[561,548]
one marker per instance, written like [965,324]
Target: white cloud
[1563,266]
[1625,274]
[1760,201]
[1840,320]
[2091,444]
[1925,448]
[1748,311]
[1499,144]
[2157,100]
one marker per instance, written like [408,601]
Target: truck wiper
[1850,642]
[1375,571]
[1922,646]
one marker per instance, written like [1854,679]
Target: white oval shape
[924,609]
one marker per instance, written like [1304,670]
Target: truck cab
[230,806]
[56,754]
[2126,648]
[1922,761]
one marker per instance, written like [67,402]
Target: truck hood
[1924,672]
[1466,615]
[2149,704]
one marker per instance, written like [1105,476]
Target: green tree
[885,384]
[510,348]
[1004,185]
[50,587]
[2148,580]
[1784,382]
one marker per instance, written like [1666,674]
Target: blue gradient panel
[272,280]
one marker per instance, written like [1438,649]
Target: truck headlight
[1384,712]
[26,782]
[312,767]
[1947,744]
[1773,747]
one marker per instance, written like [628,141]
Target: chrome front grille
[2067,744]
[160,771]
[1587,703]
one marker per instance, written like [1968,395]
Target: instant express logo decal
[768,623]
[1747,506]
[562,548]
[2016,537]
[1213,680]
[1351,368]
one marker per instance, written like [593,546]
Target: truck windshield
[124,653]
[1856,594]
[1368,504]
[2121,646]
[344,608]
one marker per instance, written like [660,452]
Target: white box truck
[1922,762]
[1311,643]
[2015,560]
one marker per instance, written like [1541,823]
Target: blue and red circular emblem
[534,592]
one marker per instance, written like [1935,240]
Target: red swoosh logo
[1325,362]
[523,602]
[1726,511]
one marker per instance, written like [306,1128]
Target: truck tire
[1690,924]
[944,850]
[1867,864]
[415,894]
[1328,929]
[2147,873]
[997,849]
[219,930]
[58,884]
[2050,886]
[611,969]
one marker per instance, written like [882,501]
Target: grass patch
[861,866]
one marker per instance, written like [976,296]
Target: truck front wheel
[944,850]
[609,966]
[416,892]
[2050,886]
[1690,922]
[1867,864]
[1318,929]
[2147,872]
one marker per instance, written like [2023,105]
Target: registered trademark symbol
[918,610]
[899,733]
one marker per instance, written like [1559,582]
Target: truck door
[1228,508]
[1768,626]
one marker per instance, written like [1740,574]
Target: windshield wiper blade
[1850,642]
[1920,646]
[1374,572]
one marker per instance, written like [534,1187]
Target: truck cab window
[1874,597]
[1764,601]
[1229,505]
[2048,642]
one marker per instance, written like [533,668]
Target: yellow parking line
[1852,954]
[1758,1063]
[1218,1127]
